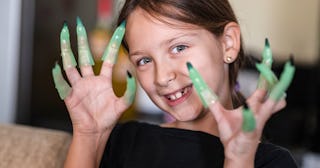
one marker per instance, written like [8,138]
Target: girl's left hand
[239,145]
[240,129]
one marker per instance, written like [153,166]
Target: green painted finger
[206,95]
[66,52]
[60,83]
[248,122]
[85,57]
[267,74]
[285,80]
[131,88]
[111,53]
[267,61]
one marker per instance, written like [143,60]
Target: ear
[231,42]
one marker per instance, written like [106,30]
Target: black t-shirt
[143,145]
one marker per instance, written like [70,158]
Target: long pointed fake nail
[267,74]
[60,83]
[85,57]
[267,54]
[206,95]
[248,122]
[131,88]
[66,52]
[285,80]
[267,62]
[111,53]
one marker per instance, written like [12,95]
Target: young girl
[161,38]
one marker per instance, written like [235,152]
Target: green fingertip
[111,53]
[85,56]
[79,22]
[206,95]
[66,52]
[61,85]
[189,65]
[267,44]
[267,74]
[285,80]
[267,54]
[123,24]
[248,122]
[131,88]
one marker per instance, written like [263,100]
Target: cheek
[146,81]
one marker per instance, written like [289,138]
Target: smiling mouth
[179,95]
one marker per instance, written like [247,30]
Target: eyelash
[145,61]
[179,47]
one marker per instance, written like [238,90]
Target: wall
[9,53]
[292,26]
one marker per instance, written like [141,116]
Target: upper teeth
[177,95]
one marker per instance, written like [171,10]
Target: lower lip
[180,100]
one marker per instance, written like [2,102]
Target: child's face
[160,52]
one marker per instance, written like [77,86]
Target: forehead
[142,25]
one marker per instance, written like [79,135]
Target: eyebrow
[180,35]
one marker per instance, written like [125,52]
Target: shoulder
[270,155]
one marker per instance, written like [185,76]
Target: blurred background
[30,46]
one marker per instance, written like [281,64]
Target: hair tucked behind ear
[212,15]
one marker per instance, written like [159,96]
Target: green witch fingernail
[285,80]
[267,74]
[267,61]
[111,53]
[60,83]
[206,95]
[66,52]
[248,122]
[131,88]
[267,54]
[85,57]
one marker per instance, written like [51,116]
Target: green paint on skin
[267,74]
[249,122]
[131,88]
[60,83]
[285,80]
[206,95]
[85,57]
[66,52]
[111,53]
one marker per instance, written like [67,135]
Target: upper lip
[177,90]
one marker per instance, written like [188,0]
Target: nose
[164,75]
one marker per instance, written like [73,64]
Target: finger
[111,53]
[85,57]
[60,83]
[206,95]
[248,119]
[69,62]
[129,95]
[266,74]
[286,77]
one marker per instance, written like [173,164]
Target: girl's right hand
[91,101]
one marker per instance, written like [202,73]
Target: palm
[92,100]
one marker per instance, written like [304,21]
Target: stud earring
[229,59]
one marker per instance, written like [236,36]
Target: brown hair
[212,15]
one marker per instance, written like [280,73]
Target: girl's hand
[240,129]
[91,102]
